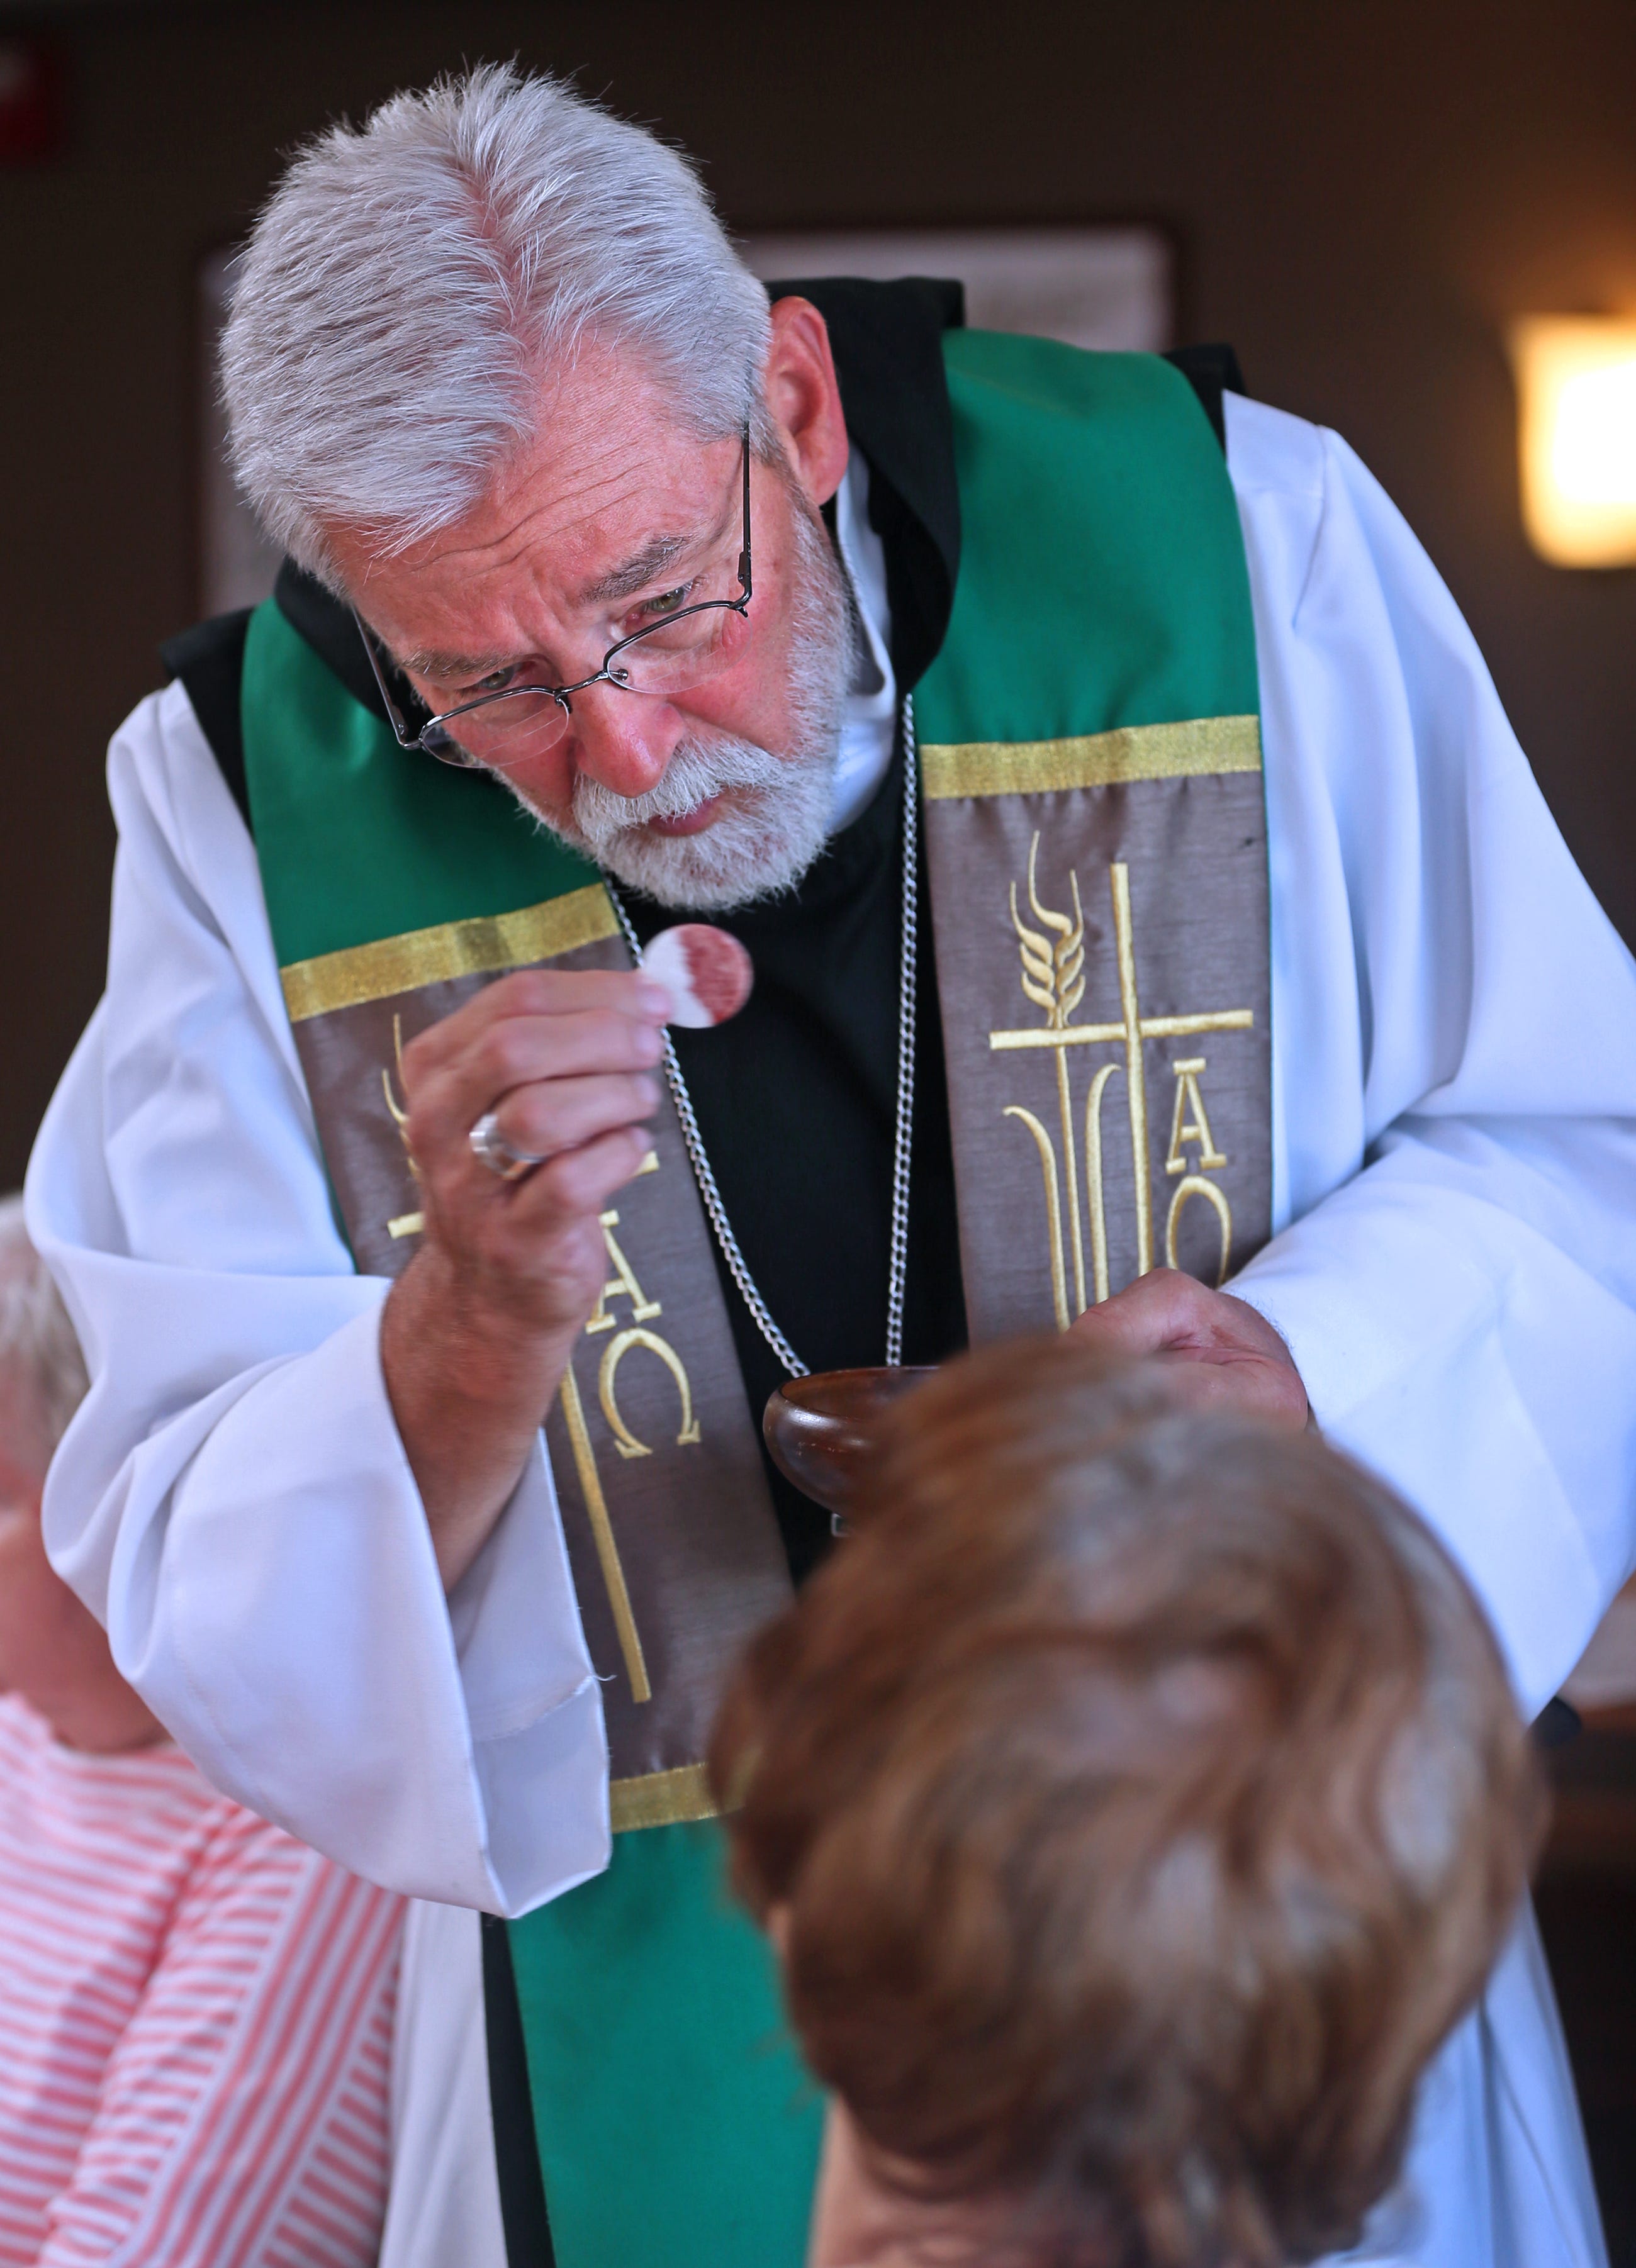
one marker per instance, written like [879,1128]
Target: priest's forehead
[613,490]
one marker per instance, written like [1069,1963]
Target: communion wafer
[707,973]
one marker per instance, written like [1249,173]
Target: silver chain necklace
[702,1173]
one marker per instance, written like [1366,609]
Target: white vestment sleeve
[233,1499]
[1455,1067]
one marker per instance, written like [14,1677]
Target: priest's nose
[624,740]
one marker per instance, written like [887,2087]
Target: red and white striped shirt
[195,2016]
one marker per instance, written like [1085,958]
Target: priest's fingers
[1166,1311]
[559,1007]
[452,1076]
[547,1205]
[525,1259]
[1221,1350]
[527,993]
[481,1172]
[534,1251]
[550,1116]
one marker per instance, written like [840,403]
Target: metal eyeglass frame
[435,739]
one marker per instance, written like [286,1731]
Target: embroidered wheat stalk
[1053,974]
[1053,978]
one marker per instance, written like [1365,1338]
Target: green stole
[1096,849]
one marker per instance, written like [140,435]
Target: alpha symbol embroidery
[621,1284]
[1190,1122]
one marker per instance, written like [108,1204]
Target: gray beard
[775,818]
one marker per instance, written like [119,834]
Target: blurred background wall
[1360,196]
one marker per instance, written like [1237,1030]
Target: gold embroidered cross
[1053,977]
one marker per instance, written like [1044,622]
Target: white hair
[37,1341]
[409,280]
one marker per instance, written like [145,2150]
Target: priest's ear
[804,397]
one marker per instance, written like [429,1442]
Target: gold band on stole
[675,1553]
[1100,913]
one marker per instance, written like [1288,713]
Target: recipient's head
[53,1651]
[1138,1800]
[489,368]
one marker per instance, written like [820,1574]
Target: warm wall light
[1576,384]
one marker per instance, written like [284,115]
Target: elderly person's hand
[1221,1353]
[478,1329]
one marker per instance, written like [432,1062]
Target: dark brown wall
[1362,193]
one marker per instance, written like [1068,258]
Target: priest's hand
[1221,1354]
[477,1330]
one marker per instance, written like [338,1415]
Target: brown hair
[1142,1800]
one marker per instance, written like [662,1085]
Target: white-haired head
[39,1356]
[409,282]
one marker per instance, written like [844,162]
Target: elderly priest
[1146,894]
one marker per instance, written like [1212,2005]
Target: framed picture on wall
[1108,287]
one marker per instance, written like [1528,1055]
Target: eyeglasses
[516,723]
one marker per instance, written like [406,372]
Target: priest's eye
[496,682]
[668,602]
